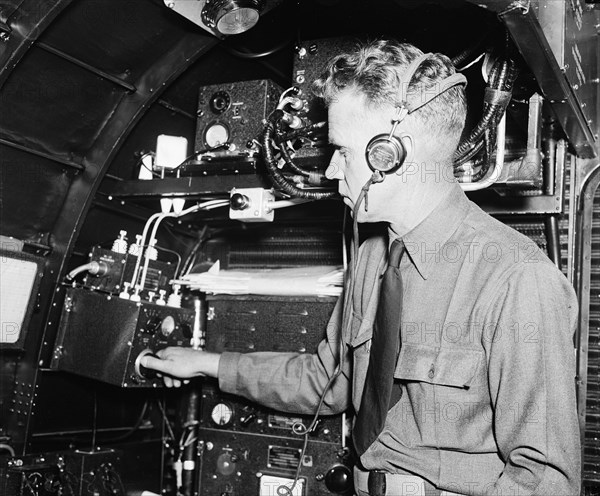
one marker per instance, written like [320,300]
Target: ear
[409,145]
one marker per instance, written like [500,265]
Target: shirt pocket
[440,366]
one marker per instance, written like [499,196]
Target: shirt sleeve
[292,382]
[531,374]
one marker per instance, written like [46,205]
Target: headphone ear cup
[385,154]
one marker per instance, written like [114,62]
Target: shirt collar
[425,241]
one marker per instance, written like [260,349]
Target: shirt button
[431,372]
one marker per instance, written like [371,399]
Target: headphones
[386,153]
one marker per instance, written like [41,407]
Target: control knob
[338,479]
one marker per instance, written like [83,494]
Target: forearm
[284,381]
[293,382]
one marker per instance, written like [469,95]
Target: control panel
[310,61]
[105,338]
[223,411]
[64,473]
[247,464]
[248,449]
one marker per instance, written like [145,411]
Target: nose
[334,171]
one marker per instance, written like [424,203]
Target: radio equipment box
[250,449]
[104,338]
[120,270]
[234,113]
[310,61]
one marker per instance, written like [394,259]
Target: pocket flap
[447,367]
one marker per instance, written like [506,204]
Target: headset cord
[299,428]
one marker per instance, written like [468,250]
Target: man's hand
[175,364]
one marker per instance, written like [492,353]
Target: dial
[152,324]
[222,414]
[167,326]
[220,102]
[216,134]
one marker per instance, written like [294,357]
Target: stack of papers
[322,280]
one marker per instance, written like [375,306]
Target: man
[482,398]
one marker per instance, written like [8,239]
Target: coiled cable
[278,178]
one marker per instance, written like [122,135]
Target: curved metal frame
[582,254]
[38,348]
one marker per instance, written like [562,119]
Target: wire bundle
[483,136]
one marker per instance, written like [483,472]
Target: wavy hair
[375,69]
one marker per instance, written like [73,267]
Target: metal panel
[48,89]
[571,29]
[22,178]
[532,41]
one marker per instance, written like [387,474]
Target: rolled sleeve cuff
[227,374]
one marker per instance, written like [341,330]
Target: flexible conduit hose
[286,155]
[483,136]
[465,149]
[93,267]
[271,163]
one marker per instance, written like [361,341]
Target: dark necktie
[385,345]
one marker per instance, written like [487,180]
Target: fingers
[151,362]
[171,381]
[174,382]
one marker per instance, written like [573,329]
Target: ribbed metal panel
[591,443]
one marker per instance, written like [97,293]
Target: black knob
[239,202]
[152,324]
[141,371]
[186,330]
[220,102]
[247,419]
[339,479]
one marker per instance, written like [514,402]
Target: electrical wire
[484,135]
[166,419]
[140,163]
[157,219]
[173,252]
[299,428]
[257,55]
[189,261]
[7,447]
[286,156]
[289,491]
[271,162]
[133,429]
[95,419]
[205,151]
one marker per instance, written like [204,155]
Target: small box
[171,151]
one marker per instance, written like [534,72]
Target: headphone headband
[386,153]
[442,86]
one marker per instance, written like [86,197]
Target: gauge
[216,134]
[221,414]
[167,326]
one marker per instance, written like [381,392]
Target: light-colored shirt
[486,366]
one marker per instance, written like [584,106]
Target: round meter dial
[216,134]
[222,414]
[167,326]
